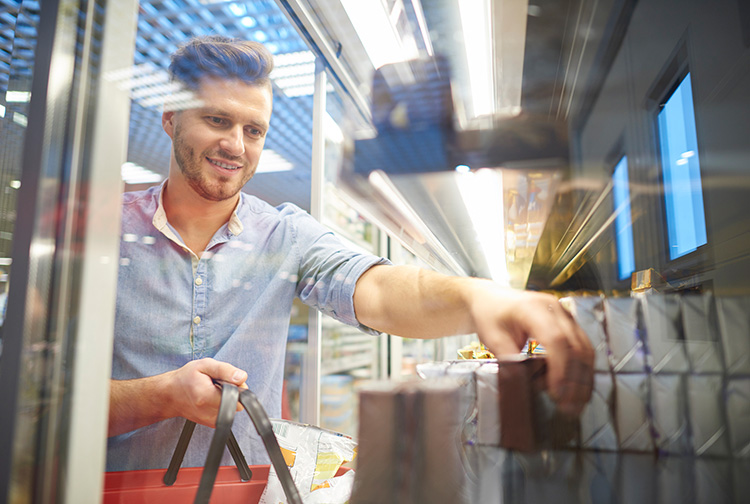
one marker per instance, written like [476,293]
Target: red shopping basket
[147,487]
[226,484]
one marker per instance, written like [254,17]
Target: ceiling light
[376,32]
[17,96]
[475,23]
[135,174]
[20,119]
[271,161]
[482,193]
[237,9]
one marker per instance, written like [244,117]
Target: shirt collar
[160,216]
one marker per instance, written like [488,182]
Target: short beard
[188,165]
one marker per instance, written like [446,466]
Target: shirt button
[197,320]
[198,281]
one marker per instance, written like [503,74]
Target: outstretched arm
[185,392]
[417,303]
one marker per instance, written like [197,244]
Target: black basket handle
[223,435]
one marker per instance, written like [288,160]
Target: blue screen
[623,223]
[683,193]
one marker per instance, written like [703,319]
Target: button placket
[199,307]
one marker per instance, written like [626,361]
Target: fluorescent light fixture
[2,110]
[494,40]
[332,130]
[15,184]
[20,119]
[475,24]
[237,9]
[294,73]
[248,22]
[272,161]
[136,174]
[482,193]
[17,96]
[376,32]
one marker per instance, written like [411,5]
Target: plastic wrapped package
[622,323]
[464,374]
[409,443]
[314,456]
[637,467]
[674,477]
[669,414]
[597,422]
[734,321]
[488,414]
[701,333]
[738,415]
[633,429]
[589,313]
[713,480]
[706,410]
[599,477]
[665,343]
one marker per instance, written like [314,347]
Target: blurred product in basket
[409,444]
[314,456]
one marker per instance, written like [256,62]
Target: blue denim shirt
[233,304]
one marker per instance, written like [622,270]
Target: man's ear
[167,122]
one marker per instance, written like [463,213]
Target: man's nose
[232,142]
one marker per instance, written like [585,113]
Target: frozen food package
[713,480]
[669,414]
[410,443]
[623,326]
[738,415]
[428,370]
[529,419]
[588,311]
[734,321]
[464,374]
[665,341]
[701,329]
[314,456]
[707,415]
[597,422]
[488,415]
[633,429]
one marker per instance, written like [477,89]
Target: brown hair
[221,57]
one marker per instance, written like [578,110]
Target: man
[208,275]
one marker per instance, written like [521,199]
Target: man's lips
[223,164]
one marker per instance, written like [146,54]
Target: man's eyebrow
[214,111]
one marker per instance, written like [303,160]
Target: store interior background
[576,85]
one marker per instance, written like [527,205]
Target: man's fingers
[223,371]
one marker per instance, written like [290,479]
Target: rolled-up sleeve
[329,271]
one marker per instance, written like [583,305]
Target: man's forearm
[135,403]
[414,302]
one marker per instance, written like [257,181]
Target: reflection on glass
[682,180]
[623,220]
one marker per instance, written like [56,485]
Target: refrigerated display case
[611,171]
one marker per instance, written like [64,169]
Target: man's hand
[417,303]
[505,319]
[187,392]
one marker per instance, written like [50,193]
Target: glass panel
[683,191]
[623,221]
[18,28]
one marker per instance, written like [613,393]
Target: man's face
[217,145]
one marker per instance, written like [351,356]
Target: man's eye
[255,132]
[215,120]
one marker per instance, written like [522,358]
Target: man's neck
[196,219]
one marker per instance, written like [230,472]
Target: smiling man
[208,275]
